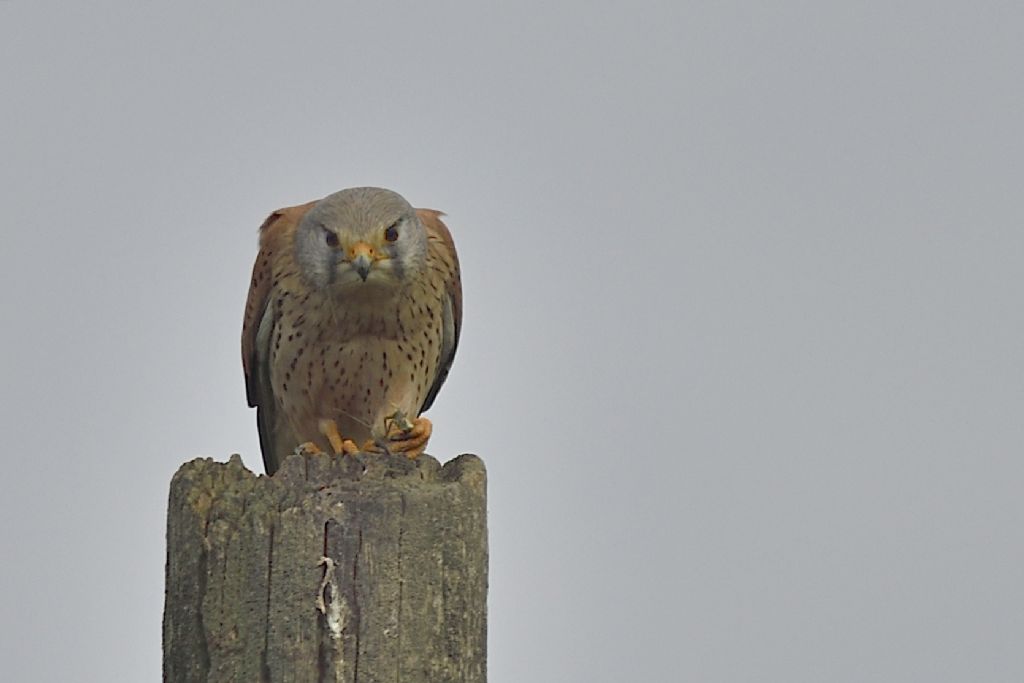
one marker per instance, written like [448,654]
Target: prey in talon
[352,320]
[405,437]
[397,423]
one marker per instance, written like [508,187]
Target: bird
[351,325]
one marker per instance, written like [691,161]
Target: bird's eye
[330,238]
[391,234]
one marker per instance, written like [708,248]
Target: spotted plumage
[351,324]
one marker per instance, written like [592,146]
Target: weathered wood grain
[371,568]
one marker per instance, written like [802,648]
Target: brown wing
[275,252]
[444,263]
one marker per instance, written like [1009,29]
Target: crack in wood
[356,609]
[406,600]
[264,659]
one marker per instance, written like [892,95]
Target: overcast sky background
[743,346]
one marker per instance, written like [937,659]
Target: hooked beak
[361,257]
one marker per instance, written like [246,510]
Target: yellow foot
[329,428]
[375,447]
[408,438]
[308,448]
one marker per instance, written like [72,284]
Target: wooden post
[367,568]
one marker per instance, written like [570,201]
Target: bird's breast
[354,362]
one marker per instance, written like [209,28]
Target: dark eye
[391,234]
[330,238]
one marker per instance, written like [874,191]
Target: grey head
[364,238]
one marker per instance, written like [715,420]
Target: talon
[308,448]
[377,447]
[411,441]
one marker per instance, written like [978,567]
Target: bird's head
[363,237]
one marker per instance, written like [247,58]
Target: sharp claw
[375,446]
[412,441]
[308,448]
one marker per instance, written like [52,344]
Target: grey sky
[742,345]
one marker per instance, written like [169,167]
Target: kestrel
[351,324]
